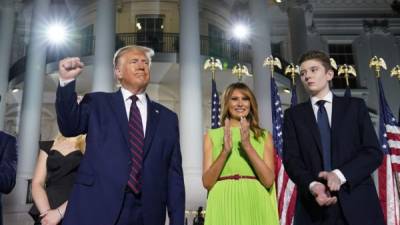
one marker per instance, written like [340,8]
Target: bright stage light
[56,33]
[240,31]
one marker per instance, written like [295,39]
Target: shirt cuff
[63,83]
[340,175]
[311,185]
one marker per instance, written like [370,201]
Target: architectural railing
[227,50]
[230,52]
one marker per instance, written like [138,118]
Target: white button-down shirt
[328,106]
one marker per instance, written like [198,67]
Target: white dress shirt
[328,107]
[141,104]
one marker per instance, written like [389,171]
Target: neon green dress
[243,201]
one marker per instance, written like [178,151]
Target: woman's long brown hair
[252,117]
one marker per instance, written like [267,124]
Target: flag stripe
[389,136]
[286,190]
[291,206]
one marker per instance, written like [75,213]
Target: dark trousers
[131,211]
[333,215]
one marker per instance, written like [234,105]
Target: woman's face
[239,105]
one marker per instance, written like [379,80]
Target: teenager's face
[315,77]
[239,105]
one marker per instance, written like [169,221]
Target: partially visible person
[330,150]
[54,177]
[199,218]
[8,165]
[238,165]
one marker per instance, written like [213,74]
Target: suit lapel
[309,118]
[338,112]
[337,115]
[151,125]
[118,107]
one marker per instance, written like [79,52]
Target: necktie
[136,142]
[325,132]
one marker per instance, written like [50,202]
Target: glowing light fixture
[138,26]
[56,33]
[241,31]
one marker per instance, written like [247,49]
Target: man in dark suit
[132,168]
[8,165]
[330,150]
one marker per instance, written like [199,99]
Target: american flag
[388,172]
[215,106]
[286,191]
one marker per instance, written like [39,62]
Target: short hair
[320,56]
[120,52]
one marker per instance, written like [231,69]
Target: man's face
[315,77]
[133,71]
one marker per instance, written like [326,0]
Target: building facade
[183,34]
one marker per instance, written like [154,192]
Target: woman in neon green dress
[238,165]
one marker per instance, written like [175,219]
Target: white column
[297,31]
[315,41]
[7,23]
[103,79]
[377,40]
[261,48]
[191,120]
[29,129]
[298,22]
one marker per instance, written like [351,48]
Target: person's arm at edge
[39,194]
[8,166]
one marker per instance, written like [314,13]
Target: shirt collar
[328,98]
[127,94]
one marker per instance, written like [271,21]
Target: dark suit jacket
[355,152]
[99,189]
[8,165]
